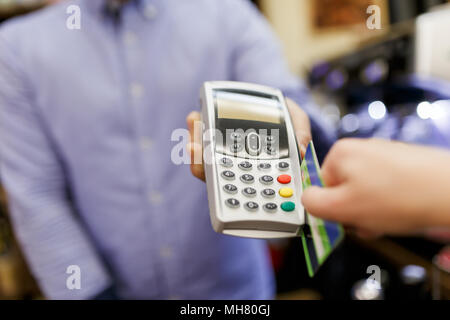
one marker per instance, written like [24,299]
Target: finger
[330,171]
[301,125]
[191,119]
[336,161]
[326,203]
[195,148]
[195,127]
[197,169]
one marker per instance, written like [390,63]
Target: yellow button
[286,192]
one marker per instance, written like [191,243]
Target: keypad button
[288,206]
[251,206]
[286,192]
[249,192]
[232,203]
[230,188]
[284,179]
[236,147]
[270,149]
[226,162]
[245,165]
[266,180]
[283,166]
[264,166]
[247,178]
[228,175]
[270,207]
[268,193]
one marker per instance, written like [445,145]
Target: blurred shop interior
[392,83]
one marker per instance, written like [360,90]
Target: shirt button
[150,11]
[130,38]
[146,143]
[166,252]
[136,90]
[155,198]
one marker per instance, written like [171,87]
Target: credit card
[319,237]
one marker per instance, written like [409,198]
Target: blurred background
[392,83]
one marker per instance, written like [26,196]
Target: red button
[284,179]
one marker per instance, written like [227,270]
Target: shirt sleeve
[45,223]
[257,57]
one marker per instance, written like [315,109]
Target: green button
[288,206]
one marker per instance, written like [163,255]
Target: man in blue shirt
[86,117]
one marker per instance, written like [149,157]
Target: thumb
[194,147]
[325,203]
[191,119]
[302,125]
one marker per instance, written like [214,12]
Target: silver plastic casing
[240,221]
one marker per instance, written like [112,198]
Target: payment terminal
[251,160]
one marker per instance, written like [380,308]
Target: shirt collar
[112,8]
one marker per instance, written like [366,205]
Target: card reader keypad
[270,207]
[264,166]
[232,203]
[247,178]
[268,193]
[245,165]
[251,206]
[283,166]
[262,187]
[266,179]
[230,188]
[249,192]
[226,162]
[228,175]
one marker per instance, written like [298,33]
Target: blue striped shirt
[86,118]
